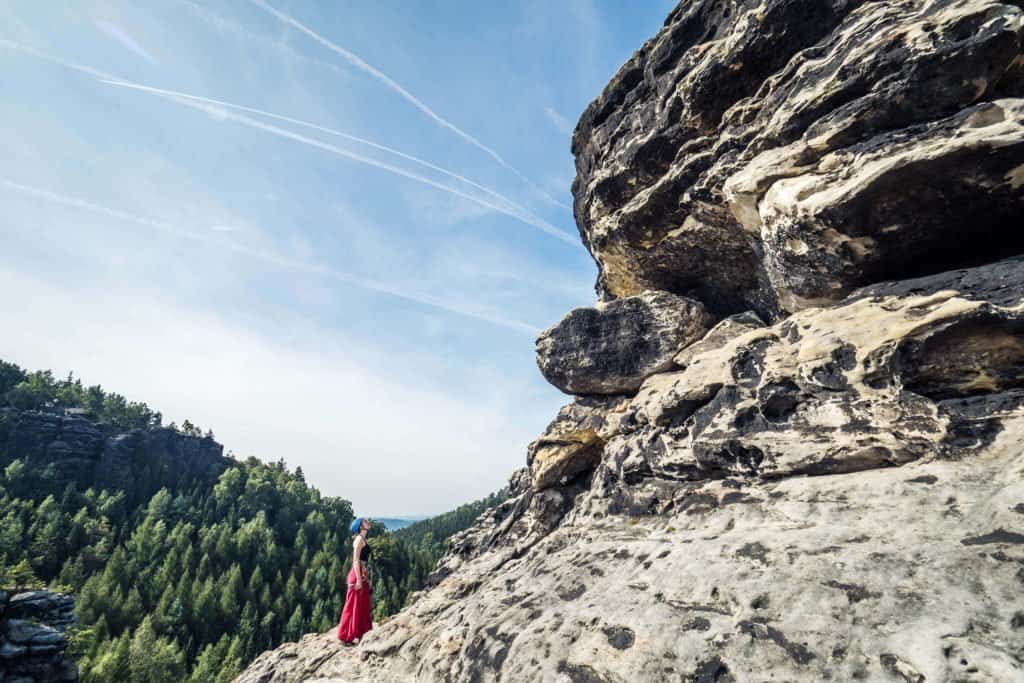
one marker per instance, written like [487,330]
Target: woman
[355,617]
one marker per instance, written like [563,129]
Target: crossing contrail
[348,154]
[330,131]
[516,211]
[266,256]
[359,63]
[222,25]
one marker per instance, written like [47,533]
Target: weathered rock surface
[775,154]
[829,483]
[704,541]
[611,348]
[574,441]
[32,638]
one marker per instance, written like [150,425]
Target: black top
[364,554]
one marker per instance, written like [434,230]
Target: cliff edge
[795,445]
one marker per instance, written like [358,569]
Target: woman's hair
[356,524]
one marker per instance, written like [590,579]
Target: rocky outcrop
[777,154]
[827,484]
[574,441]
[704,540]
[73,448]
[33,639]
[611,348]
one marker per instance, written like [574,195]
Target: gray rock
[573,442]
[91,454]
[23,632]
[613,347]
[688,586]
[54,609]
[775,154]
[32,638]
[723,332]
[12,650]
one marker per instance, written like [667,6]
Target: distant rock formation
[820,477]
[73,448]
[33,639]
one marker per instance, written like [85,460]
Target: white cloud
[399,290]
[219,108]
[358,424]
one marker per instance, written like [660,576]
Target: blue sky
[306,295]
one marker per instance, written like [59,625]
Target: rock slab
[611,348]
[32,636]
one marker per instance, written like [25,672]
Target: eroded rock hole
[928,210]
[779,400]
[972,357]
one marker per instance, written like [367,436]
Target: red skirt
[355,617]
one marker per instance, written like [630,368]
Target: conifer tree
[296,625]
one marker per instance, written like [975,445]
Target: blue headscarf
[355,525]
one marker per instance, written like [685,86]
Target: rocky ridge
[74,448]
[814,469]
[32,637]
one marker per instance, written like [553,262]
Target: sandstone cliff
[795,450]
[59,448]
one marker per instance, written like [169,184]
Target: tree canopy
[195,580]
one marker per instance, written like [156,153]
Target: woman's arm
[357,547]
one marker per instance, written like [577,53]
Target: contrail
[330,131]
[290,135]
[518,212]
[358,62]
[266,256]
[222,25]
[102,75]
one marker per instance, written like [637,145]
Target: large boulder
[612,347]
[55,609]
[776,154]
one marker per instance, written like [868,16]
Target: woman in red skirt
[355,617]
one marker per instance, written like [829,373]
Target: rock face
[32,638]
[704,542]
[76,449]
[776,154]
[613,347]
[827,484]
